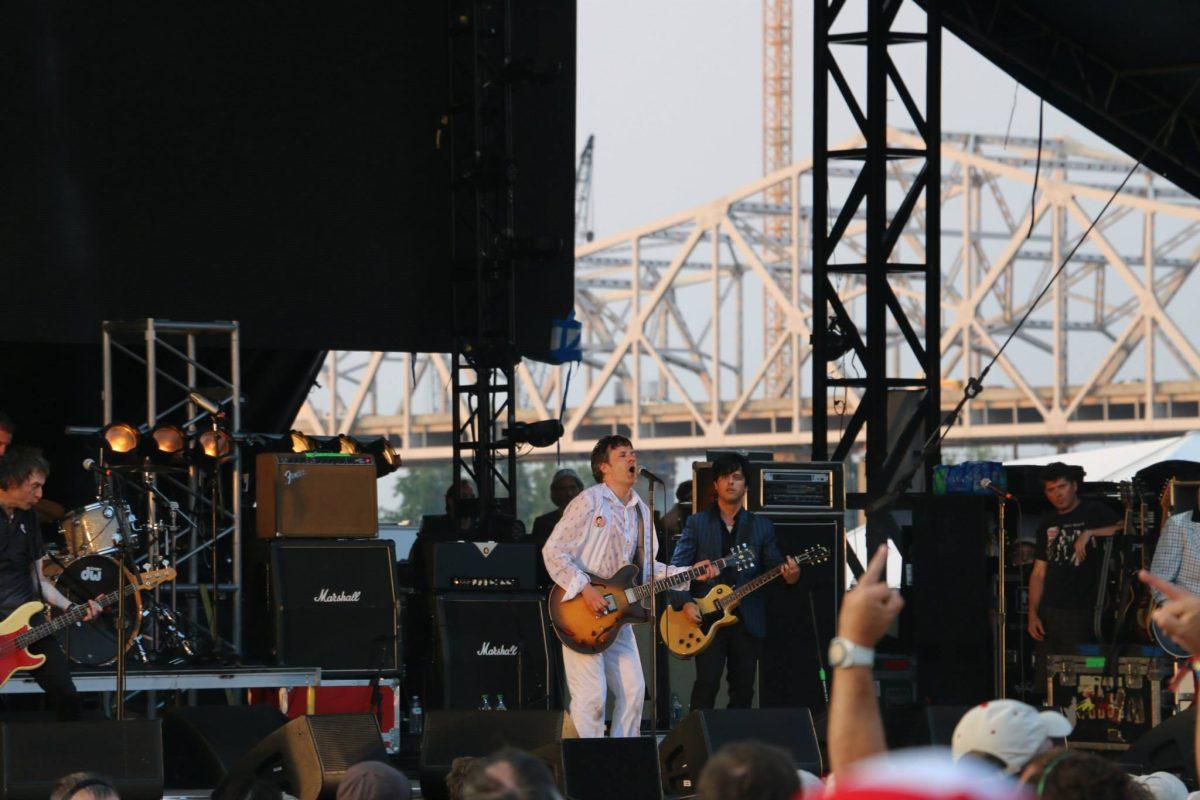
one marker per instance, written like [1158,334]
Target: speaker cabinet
[452,734]
[601,769]
[315,496]
[308,756]
[686,749]
[34,755]
[203,743]
[495,644]
[937,723]
[332,605]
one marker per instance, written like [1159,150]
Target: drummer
[23,472]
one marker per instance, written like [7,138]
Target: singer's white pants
[589,676]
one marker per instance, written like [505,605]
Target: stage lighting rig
[538,434]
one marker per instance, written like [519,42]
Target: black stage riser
[603,769]
[203,743]
[34,755]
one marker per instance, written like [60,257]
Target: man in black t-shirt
[23,472]
[1067,563]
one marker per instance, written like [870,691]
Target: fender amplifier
[315,495]
[333,605]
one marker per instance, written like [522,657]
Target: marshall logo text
[489,649]
[328,596]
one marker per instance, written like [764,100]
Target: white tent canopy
[1121,462]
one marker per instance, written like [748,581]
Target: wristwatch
[845,653]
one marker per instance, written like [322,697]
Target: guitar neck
[752,586]
[68,618]
[672,581]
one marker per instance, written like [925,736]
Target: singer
[23,472]
[1066,567]
[604,528]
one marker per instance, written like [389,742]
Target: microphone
[90,465]
[205,403]
[650,476]
[987,484]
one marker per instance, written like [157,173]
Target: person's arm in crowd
[1179,618]
[1037,582]
[855,724]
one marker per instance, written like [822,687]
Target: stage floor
[141,679]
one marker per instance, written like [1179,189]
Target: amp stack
[491,644]
[322,584]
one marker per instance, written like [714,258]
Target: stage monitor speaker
[34,755]
[495,644]
[315,496]
[600,769]
[202,743]
[1169,747]
[333,605]
[452,734]
[686,749]
[308,756]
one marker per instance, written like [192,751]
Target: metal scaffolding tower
[777,155]
[887,262]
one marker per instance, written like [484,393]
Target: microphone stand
[123,525]
[1002,607]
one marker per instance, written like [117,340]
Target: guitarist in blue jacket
[709,534]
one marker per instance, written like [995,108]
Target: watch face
[837,653]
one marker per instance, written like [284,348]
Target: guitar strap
[639,552]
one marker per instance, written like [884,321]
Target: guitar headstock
[812,555]
[155,577]
[741,558]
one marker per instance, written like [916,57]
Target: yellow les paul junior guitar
[685,639]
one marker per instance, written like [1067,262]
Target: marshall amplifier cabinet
[483,566]
[495,645]
[315,495]
[333,605]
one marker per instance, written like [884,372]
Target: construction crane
[776,155]
[583,193]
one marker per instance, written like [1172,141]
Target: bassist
[601,530]
[23,473]
[706,535]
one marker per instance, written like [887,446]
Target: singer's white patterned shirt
[599,533]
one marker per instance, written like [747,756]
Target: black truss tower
[884,319]
[483,179]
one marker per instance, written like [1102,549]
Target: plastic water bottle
[500,703]
[416,717]
[485,705]
[676,709]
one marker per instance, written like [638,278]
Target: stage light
[835,343]
[539,434]
[213,445]
[302,442]
[119,438]
[348,445]
[167,441]
[387,460]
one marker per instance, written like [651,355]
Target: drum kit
[100,540]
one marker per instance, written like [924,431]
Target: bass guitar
[686,639]
[582,630]
[16,635]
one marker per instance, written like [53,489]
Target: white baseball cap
[1010,730]
[1162,786]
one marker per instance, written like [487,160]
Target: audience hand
[869,608]
[1179,615]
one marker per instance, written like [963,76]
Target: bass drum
[95,643]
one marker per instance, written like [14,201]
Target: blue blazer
[701,539]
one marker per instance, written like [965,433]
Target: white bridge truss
[679,353]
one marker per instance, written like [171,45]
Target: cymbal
[48,510]
[148,469]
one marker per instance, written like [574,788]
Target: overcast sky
[672,89]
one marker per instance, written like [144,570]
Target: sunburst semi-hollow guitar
[16,636]
[685,639]
[582,630]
